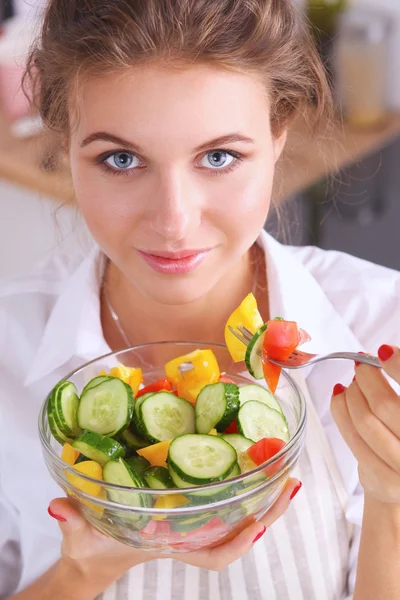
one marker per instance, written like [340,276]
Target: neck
[144,320]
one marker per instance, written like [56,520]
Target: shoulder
[26,303]
[366,295]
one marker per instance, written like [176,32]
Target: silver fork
[301,359]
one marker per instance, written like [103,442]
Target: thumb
[68,517]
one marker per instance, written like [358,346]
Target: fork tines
[248,336]
[238,335]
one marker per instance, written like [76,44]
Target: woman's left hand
[368,416]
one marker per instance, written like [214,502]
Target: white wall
[31,229]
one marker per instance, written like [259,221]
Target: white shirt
[50,323]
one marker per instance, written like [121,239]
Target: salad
[192,428]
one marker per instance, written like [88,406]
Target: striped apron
[303,556]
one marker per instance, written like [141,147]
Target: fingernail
[259,535]
[356,362]
[296,489]
[385,352]
[338,389]
[58,517]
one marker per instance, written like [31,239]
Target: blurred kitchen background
[339,192]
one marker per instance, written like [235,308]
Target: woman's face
[173,172]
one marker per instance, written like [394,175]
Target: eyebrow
[103,136]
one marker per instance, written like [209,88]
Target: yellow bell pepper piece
[246,315]
[69,454]
[91,469]
[168,502]
[213,432]
[121,372]
[206,368]
[129,375]
[190,383]
[156,454]
[135,380]
[189,393]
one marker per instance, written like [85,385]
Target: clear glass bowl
[203,521]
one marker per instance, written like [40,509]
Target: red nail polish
[338,389]
[356,361]
[58,517]
[296,489]
[259,535]
[385,352]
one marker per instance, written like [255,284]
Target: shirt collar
[74,327]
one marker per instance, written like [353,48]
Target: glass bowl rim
[171,492]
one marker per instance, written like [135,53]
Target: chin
[172,292]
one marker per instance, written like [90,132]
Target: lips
[174,263]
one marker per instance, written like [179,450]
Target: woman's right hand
[100,560]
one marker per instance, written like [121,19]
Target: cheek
[243,207]
[107,206]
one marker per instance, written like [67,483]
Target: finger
[220,557]
[389,357]
[367,459]
[69,519]
[381,397]
[371,429]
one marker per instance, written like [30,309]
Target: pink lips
[174,263]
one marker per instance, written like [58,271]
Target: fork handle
[361,358]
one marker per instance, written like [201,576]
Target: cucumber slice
[138,464]
[240,443]
[139,401]
[120,473]
[136,424]
[158,478]
[201,459]
[256,421]
[253,354]
[164,416]
[65,401]
[106,408]
[216,407]
[53,425]
[204,494]
[235,472]
[95,381]
[131,440]
[259,394]
[190,524]
[98,447]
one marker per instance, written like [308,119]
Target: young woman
[173,114]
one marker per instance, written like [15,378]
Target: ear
[279,144]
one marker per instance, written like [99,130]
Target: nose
[175,205]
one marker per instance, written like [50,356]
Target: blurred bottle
[324,14]
[362,66]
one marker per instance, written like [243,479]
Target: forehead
[157,103]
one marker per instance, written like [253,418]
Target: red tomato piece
[233,428]
[156,530]
[158,386]
[225,379]
[265,449]
[281,339]
[271,372]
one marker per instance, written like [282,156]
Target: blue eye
[122,161]
[217,159]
